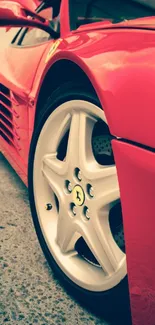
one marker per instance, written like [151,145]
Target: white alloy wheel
[73,197]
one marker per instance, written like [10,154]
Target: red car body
[31,4]
[121,67]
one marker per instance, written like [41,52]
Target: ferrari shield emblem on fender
[53,49]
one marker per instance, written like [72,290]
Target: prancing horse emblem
[78,195]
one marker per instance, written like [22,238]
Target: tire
[98,300]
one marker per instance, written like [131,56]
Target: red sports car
[77,77]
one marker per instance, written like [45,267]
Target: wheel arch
[71,72]
[109,65]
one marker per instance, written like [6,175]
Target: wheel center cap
[78,195]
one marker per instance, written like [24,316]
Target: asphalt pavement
[29,292]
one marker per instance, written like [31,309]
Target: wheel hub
[78,195]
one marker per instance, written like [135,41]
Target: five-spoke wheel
[74,194]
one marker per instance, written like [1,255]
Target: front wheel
[74,195]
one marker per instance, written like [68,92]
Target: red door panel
[31,4]
[18,69]
[19,65]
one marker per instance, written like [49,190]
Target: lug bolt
[74,210]
[91,191]
[48,206]
[79,175]
[87,214]
[69,187]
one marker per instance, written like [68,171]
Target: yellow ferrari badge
[78,195]
[53,49]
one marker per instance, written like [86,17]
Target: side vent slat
[3,115]
[6,133]
[4,96]
[4,90]
[6,125]
[4,105]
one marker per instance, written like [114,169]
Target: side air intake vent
[6,117]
